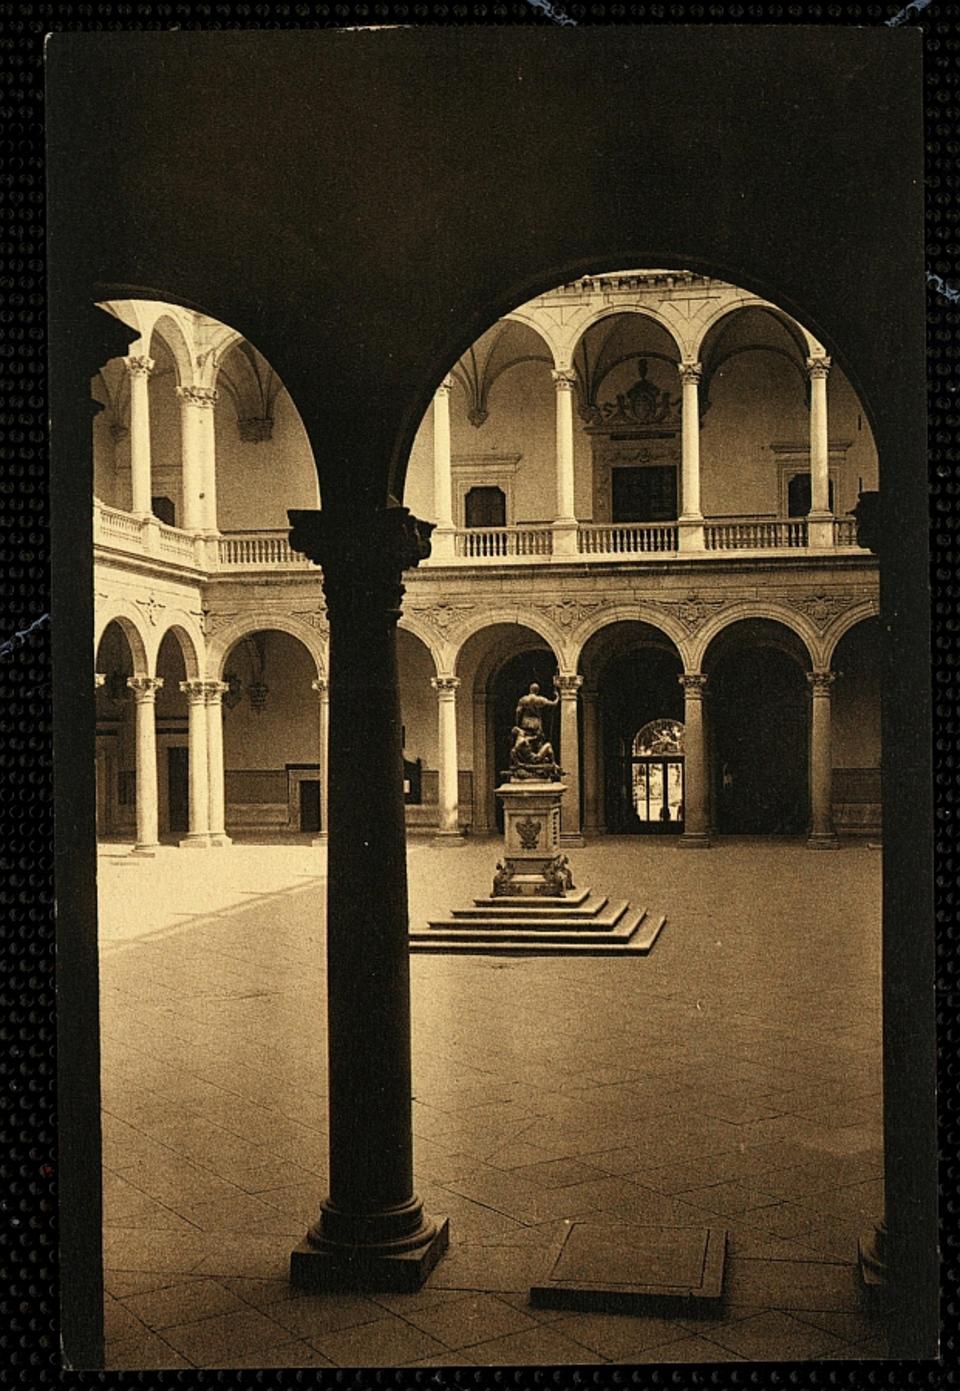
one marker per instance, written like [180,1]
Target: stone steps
[619,931]
[550,910]
[605,918]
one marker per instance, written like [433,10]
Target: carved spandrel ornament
[214,621]
[151,609]
[317,619]
[693,610]
[822,608]
[566,613]
[443,616]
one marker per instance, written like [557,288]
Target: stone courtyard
[730,1078]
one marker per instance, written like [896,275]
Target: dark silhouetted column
[372,1232]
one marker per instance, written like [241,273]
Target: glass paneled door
[656,777]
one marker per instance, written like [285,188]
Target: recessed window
[485,507]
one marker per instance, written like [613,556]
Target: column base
[321,839]
[820,532]
[690,533]
[694,840]
[572,838]
[196,840]
[219,838]
[146,852]
[319,1265]
[452,840]
[823,840]
[442,546]
[565,532]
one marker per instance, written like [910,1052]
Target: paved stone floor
[733,1076]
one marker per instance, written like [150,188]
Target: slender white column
[145,694]
[138,376]
[213,695]
[198,836]
[695,814]
[322,687]
[819,518]
[481,814]
[591,763]
[198,458]
[565,526]
[822,833]
[691,517]
[448,819]
[443,536]
[568,686]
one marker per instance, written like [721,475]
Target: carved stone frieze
[693,610]
[442,616]
[565,613]
[317,618]
[151,609]
[213,622]
[822,608]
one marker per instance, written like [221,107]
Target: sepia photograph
[491,697]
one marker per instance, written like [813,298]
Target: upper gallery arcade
[641,483]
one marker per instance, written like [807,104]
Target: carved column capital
[99,679]
[214,691]
[690,372]
[821,682]
[195,690]
[139,365]
[564,378]
[203,397]
[694,684]
[568,686]
[145,688]
[363,557]
[445,387]
[322,687]
[445,686]
[818,367]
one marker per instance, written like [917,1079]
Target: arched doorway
[656,777]
[271,737]
[116,746]
[856,730]
[759,730]
[419,731]
[173,742]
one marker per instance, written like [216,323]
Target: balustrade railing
[626,538]
[110,524]
[746,534]
[497,542]
[174,542]
[845,531]
[256,550]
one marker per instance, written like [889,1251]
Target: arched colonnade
[450,670]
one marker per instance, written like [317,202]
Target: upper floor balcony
[594,543]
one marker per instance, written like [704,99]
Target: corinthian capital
[821,681]
[564,378]
[694,684]
[568,685]
[139,366]
[818,367]
[363,557]
[203,397]
[690,372]
[144,687]
[445,685]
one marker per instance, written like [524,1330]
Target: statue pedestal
[532,864]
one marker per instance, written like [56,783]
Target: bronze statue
[531,755]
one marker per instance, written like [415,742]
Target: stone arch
[547,631]
[867,608]
[521,315]
[608,311]
[440,652]
[219,646]
[170,330]
[191,645]
[637,612]
[747,609]
[724,311]
[113,611]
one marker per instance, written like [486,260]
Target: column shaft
[822,834]
[145,694]
[322,687]
[591,764]
[372,1232]
[565,526]
[215,769]
[568,686]
[691,517]
[695,815]
[198,786]
[197,456]
[442,540]
[481,815]
[819,519]
[448,809]
[138,376]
